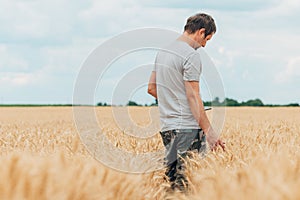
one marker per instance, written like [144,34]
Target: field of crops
[42,157]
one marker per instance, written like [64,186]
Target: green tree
[132,103]
[207,103]
[255,102]
[155,103]
[230,102]
[216,102]
[102,104]
[293,104]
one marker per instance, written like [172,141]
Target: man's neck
[189,39]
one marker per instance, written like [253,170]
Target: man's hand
[214,141]
[218,143]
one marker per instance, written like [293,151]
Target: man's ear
[202,32]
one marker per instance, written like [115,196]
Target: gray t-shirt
[175,64]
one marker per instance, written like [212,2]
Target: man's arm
[197,109]
[152,85]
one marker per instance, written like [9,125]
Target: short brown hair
[198,21]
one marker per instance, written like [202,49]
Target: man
[175,83]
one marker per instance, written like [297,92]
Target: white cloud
[117,16]
[283,8]
[10,61]
[291,71]
[36,19]
[67,59]
[246,75]
[108,18]
[225,5]
[16,79]
[221,50]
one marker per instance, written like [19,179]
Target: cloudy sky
[43,44]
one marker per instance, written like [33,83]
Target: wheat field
[42,157]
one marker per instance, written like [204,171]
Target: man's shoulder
[181,45]
[178,47]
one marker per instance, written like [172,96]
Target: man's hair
[198,21]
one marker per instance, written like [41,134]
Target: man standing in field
[175,83]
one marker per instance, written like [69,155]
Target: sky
[43,45]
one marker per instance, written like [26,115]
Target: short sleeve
[192,67]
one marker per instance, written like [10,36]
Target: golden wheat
[42,157]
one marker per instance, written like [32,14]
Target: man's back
[175,64]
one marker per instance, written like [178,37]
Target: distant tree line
[216,102]
[102,104]
[131,103]
[251,102]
